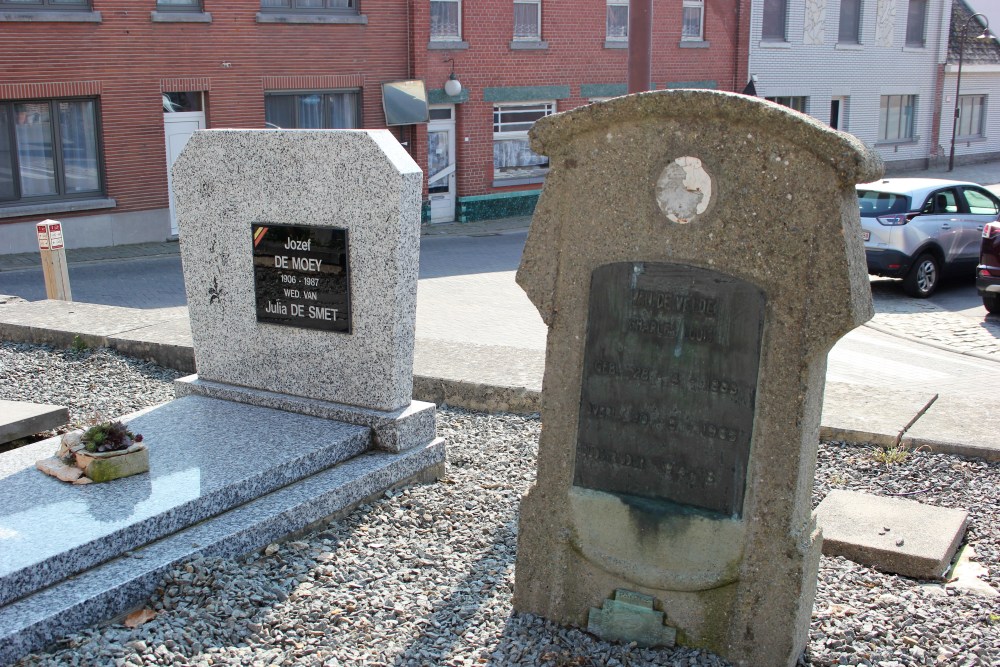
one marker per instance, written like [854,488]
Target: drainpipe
[640,45]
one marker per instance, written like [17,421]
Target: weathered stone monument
[695,255]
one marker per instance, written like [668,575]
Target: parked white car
[920,229]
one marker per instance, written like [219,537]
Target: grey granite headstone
[301,253]
[362,182]
[695,254]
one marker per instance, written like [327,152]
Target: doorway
[183,115]
[441,162]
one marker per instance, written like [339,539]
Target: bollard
[52,247]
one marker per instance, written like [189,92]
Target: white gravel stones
[424,575]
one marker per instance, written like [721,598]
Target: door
[178,128]
[939,219]
[835,113]
[441,162]
[982,208]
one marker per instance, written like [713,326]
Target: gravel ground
[424,575]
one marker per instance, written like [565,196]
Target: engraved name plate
[669,384]
[302,277]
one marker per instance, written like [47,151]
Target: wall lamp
[958,84]
[452,87]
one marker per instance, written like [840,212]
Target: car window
[980,203]
[873,203]
[941,202]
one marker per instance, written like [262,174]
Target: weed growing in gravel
[78,344]
[896,454]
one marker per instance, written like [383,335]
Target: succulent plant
[109,437]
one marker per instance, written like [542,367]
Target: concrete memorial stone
[695,254]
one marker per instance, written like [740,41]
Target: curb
[934,344]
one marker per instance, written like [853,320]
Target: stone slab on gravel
[19,419]
[891,534]
[877,417]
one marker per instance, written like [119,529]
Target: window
[692,20]
[980,203]
[850,22]
[347,6]
[916,16]
[45,4]
[446,20]
[49,150]
[335,110]
[798,103]
[528,20]
[617,20]
[512,157]
[773,28]
[970,115]
[175,5]
[895,120]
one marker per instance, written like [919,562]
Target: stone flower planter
[73,463]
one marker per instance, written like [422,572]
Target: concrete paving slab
[167,343]
[964,425]
[19,419]
[58,322]
[891,534]
[852,414]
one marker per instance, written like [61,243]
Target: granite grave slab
[19,419]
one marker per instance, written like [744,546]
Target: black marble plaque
[302,276]
[669,384]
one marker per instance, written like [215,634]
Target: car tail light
[892,220]
[990,230]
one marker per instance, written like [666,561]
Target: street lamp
[958,84]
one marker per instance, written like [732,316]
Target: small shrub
[109,437]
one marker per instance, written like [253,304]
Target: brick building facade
[82,122]
[97,96]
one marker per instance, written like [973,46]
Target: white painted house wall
[976,80]
[811,63]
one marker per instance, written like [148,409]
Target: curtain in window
[33,133]
[617,21]
[310,108]
[526,20]
[774,20]
[691,23]
[78,138]
[279,111]
[343,111]
[510,155]
[916,12]
[444,19]
[850,21]
[6,157]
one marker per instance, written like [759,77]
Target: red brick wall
[575,33]
[127,56]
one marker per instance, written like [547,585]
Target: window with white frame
[916,18]
[528,20]
[796,102]
[775,18]
[617,30]
[850,22]
[446,20]
[970,116]
[512,156]
[895,120]
[50,150]
[693,20]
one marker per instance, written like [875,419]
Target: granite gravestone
[300,253]
[695,254]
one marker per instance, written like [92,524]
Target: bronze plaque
[669,384]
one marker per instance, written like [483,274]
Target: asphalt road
[447,266]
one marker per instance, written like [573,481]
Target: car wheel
[923,278]
[992,303]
